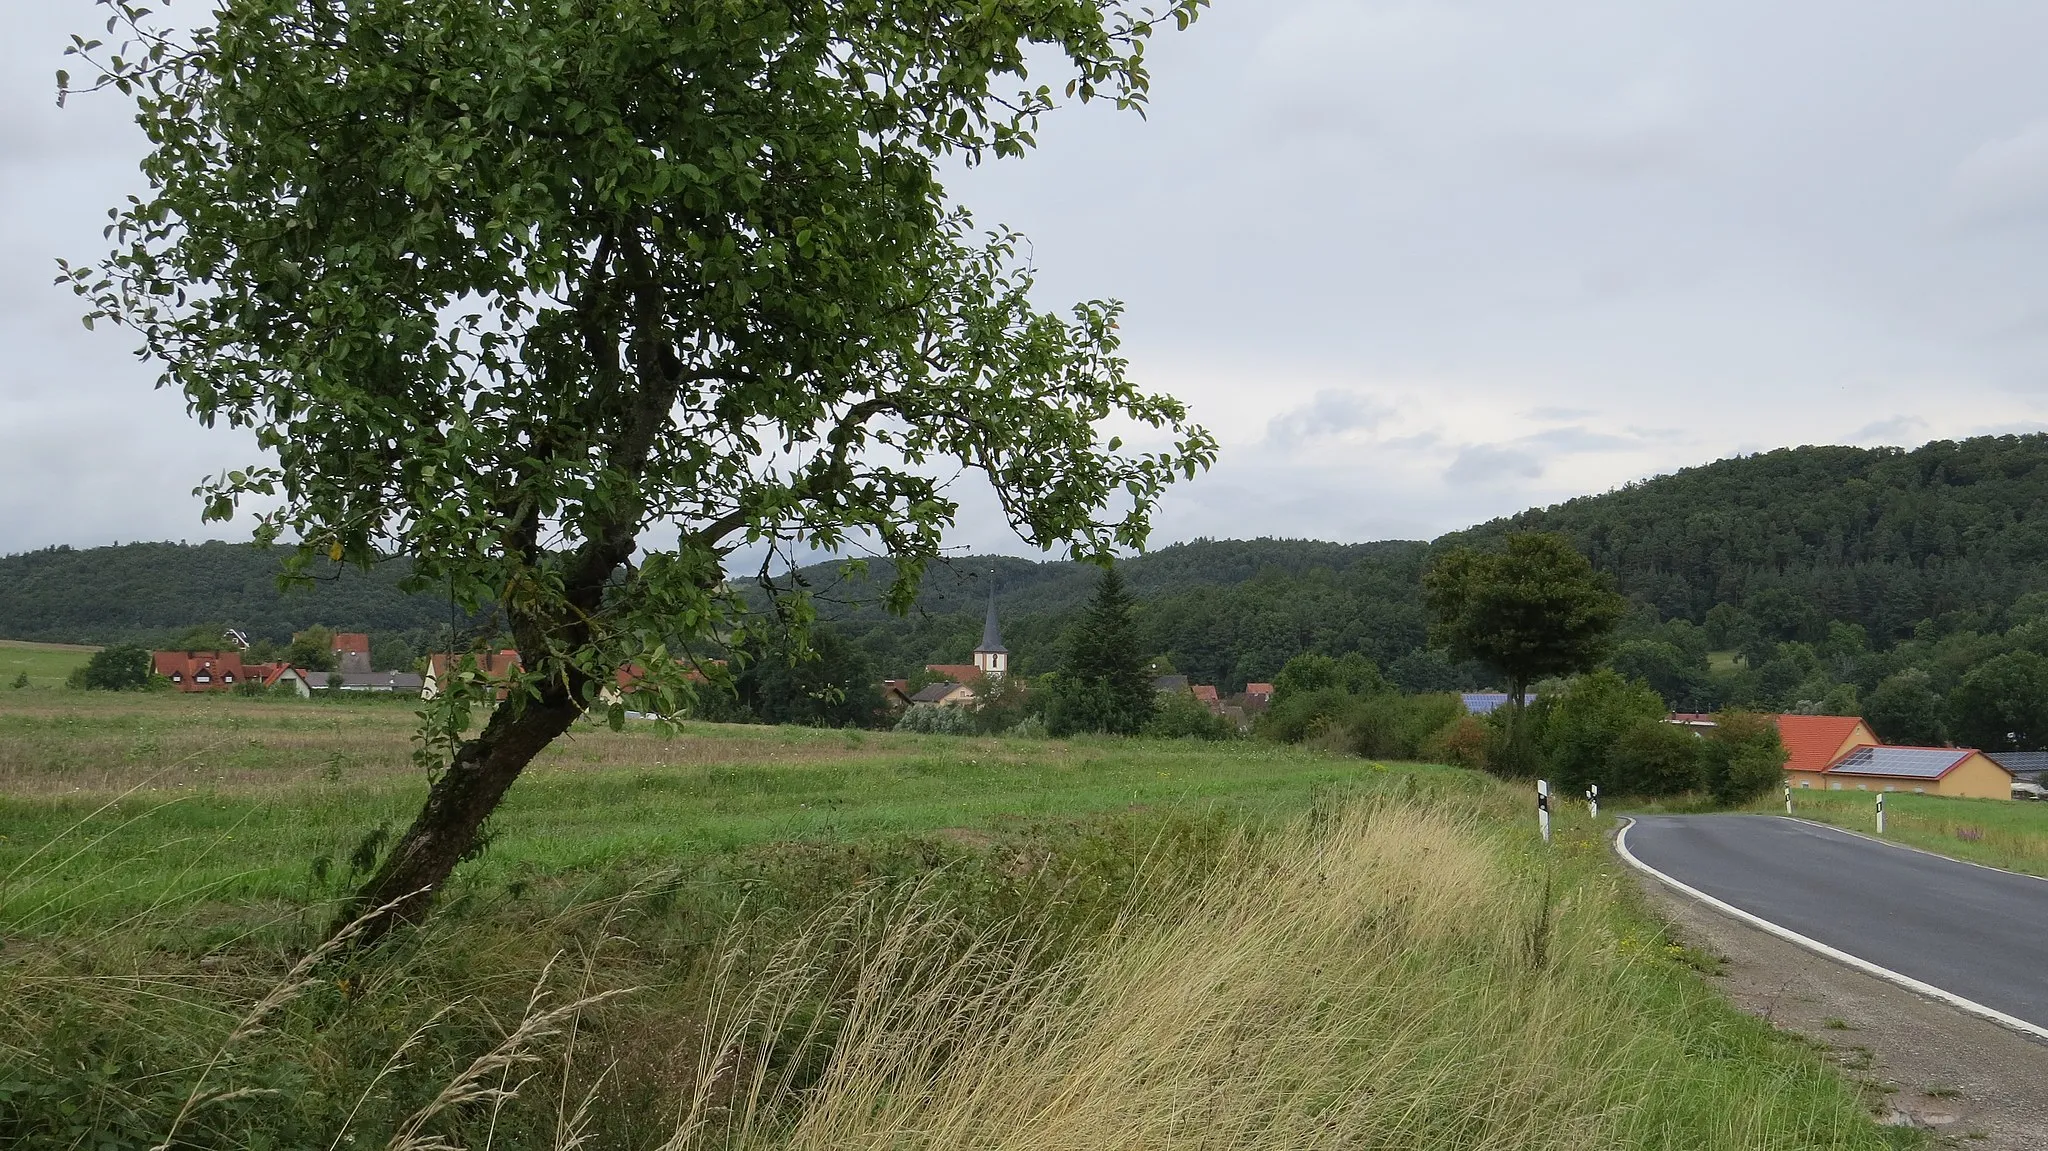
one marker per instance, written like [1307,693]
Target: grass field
[772,937]
[45,664]
[2012,834]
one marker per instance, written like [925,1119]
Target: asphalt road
[1977,933]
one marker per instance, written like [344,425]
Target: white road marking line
[2030,1030]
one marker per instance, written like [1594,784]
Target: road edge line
[1916,986]
[1868,838]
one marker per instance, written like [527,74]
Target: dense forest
[145,592]
[1799,577]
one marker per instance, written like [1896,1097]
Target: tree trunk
[445,831]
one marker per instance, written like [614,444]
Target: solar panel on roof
[1900,762]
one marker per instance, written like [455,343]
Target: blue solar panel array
[1486,702]
[2025,764]
[1900,762]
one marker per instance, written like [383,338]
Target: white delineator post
[1543,808]
[1788,797]
[1880,813]
[1593,801]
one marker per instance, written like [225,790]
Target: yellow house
[1957,771]
[1812,742]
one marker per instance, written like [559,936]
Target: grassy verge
[2012,834]
[751,937]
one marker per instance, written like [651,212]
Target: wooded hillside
[1951,533]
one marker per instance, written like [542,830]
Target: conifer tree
[1104,685]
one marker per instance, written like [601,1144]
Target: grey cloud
[1329,414]
[1578,439]
[1488,463]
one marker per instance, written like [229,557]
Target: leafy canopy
[1532,609]
[568,300]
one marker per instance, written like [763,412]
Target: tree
[1104,684]
[123,667]
[565,302]
[312,649]
[827,683]
[1906,709]
[1535,608]
[2003,704]
[392,653]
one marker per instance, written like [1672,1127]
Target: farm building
[1958,771]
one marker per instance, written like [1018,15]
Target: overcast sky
[1417,264]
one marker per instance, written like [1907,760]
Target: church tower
[992,659]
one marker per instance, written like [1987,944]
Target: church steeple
[992,658]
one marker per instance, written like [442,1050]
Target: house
[957,672]
[896,693]
[1698,721]
[1262,693]
[289,676]
[1488,702]
[1205,694]
[1166,683]
[404,681]
[351,653]
[200,670]
[944,694]
[1959,771]
[1814,742]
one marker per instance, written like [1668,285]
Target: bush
[20,680]
[936,719]
[1653,758]
[1742,758]
[1030,727]
[124,667]
[1393,726]
[1463,742]
[1575,730]
[1181,715]
[1302,715]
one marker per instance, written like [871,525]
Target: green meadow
[45,664]
[740,937]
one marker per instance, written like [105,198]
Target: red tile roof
[957,672]
[1813,741]
[354,641]
[200,670]
[1265,689]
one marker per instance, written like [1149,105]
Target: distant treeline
[1746,555]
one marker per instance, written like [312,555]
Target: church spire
[992,657]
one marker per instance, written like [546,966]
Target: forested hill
[143,591]
[1792,540]
[1883,537]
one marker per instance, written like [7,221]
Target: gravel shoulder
[1967,1081]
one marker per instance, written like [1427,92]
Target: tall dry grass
[1385,979]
